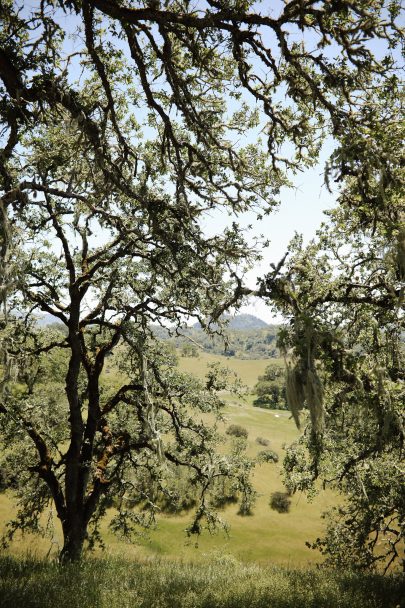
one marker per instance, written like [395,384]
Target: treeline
[240,343]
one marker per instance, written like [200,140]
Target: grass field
[247,369]
[221,583]
[262,563]
[265,536]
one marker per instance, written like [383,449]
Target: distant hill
[244,321]
[247,337]
[241,322]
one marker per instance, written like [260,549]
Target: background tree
[270,389]
[104,290]
[109,166]
[344,294]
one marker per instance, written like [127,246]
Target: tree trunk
[74,534]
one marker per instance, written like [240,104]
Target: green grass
[221,583]
[247,369]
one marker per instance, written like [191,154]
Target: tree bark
[74,535]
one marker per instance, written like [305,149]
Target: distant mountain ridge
[241,322]
[248,337]
[238,322]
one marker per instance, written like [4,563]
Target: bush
[237,431]
[223,493]
[268,402]
[268,456]
[7,480]
[262,441]
[245,509]
[280,502]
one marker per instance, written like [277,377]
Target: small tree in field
[117,143]
[280,502]
[270,389]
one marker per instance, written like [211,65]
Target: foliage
[267,456]
[171,491]
[280,502]
[237,430]
[248,539]
[262,441]
[189,350]
[238,343]
[119,132]
[227,494]
[7,479]
[344,294]
[270,389]
[145,477]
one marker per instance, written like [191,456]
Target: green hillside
[265,536]
[245,337]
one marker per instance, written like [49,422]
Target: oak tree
[121,130]
[344,296]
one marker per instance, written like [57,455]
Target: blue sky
[301,210]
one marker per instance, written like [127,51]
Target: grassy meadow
[221,583]
[248,370]
[261,562]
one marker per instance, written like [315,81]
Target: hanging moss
[314,399]
[303,385]
[295,395]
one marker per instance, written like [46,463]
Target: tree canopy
[344,295]
[121,128]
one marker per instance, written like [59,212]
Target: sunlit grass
[223,582]
[247,369]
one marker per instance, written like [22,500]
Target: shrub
[268,456]
[224,493]
[280,502]
[262,441]
[7,480]
[237,431]
[245,509]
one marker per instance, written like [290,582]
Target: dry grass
[221,583]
